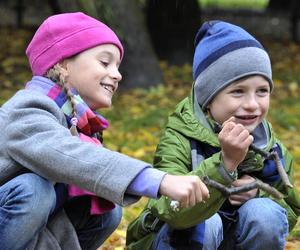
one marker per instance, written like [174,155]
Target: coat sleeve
[173,155]
[37,140]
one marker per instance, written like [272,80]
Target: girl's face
[94,73]
[247,100]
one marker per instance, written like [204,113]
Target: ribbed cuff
[228,176]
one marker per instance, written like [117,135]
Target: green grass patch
[252,4]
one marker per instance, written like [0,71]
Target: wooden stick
[241,189]
[281,171]
[175,205]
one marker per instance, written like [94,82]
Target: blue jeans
[262,224]
[92,230]
[211,239]
[26,203]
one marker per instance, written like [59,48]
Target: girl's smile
[94,73]
[110,88]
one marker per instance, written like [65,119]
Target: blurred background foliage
[139,114]
[255,4]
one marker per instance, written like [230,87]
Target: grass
[253,4]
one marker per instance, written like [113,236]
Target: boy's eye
[263,91]
[237,91]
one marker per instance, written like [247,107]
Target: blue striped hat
[225,53]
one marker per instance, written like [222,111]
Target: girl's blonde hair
[56,75]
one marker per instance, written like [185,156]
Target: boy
[233,82]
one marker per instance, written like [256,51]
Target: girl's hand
[239,199]
[187,190]
[235,141]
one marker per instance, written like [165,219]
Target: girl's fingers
[204,192]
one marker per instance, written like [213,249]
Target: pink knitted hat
[64,35]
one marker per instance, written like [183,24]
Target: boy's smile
[247,100]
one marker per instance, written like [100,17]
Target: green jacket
[173,155]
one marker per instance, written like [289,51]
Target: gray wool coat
[35,137]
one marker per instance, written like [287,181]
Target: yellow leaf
[122,233]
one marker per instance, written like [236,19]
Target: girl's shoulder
[25,97]
[34,102]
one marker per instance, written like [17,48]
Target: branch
[175,205]
[241,189]
[281,171]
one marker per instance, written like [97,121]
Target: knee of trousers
[265,215]
[213,231]
[37,195]
[114,217]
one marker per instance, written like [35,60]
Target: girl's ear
[63,64]
[63,68]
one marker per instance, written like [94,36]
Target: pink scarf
[98,205]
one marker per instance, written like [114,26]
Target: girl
[53,168]
[233,82]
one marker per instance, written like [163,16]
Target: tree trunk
[291,9]
[140,66]
[173,25]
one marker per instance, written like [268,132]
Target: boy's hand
[187,190]
[235,140]
[239,199]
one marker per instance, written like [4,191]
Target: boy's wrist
[229,176]
[229,166]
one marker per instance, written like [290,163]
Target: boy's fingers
[230,120]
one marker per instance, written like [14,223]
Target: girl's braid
[56,75]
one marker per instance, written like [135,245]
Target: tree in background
[172,26]
[140,67]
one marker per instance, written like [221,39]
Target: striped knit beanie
[225,53]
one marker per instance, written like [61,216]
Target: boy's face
[94,73]
[247,100]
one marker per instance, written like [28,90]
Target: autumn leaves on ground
[138,116]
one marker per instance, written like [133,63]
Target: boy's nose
[251,102]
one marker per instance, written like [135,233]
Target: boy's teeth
[246,117]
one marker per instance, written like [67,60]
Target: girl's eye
[104,63]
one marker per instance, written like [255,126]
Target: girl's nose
[115,74]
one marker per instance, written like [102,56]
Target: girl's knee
[115,217]
[36,193]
